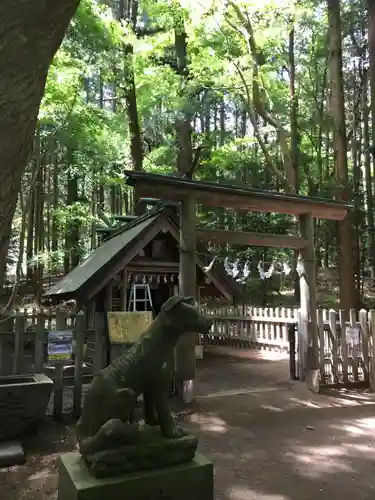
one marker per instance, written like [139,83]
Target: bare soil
[269,438]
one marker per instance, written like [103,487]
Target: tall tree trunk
[30,234]
[72,253]
[368,179]
[293,112]
[355,151]
[185,349]
[128,11]
[55,201]
[371,49]
[41,230]
[183,124]
[30,35]
[38,212]
[348,293]
[222,121]
[294,143]
[136,149]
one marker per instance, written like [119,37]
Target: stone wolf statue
[147,369]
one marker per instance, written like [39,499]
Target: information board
[127,327]
[60,345]
[352,336]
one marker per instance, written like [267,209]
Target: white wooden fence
[343,359]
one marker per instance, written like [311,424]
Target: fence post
[19,340]
[78,362]
[300,363]
[354,349]
[363,320]
[307,278]
[322,354]
[303,340]
[332,321]
[372,362]
[344,345]
[6,327]
[39,343]
[99,352]
[58,392]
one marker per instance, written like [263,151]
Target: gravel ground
[269,439]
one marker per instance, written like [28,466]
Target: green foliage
[84,119]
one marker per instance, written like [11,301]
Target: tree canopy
[275,94]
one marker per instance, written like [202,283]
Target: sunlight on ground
[317,461]
[41,474]
[209,423]
[322,402]
[272,408]
[272,355]
[248,494]
[314,462]
[357,427]
[251,354]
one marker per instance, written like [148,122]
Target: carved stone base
[150,451]
[191,481]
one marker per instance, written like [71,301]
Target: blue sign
[60,345]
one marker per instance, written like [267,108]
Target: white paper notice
[352,335]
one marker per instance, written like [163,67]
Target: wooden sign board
[127,327]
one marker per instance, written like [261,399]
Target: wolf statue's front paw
[174,432]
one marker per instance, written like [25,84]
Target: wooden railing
[339,360]
[251,325]
[23,343]
[23,349]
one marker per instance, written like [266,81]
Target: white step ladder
[140,304]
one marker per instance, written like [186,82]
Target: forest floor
[269,438]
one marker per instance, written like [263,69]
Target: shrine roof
[102,256]
[119,250]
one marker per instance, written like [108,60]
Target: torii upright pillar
[308,330]
[185,349]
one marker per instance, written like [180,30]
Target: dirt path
[289,445]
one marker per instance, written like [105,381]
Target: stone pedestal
[190,481]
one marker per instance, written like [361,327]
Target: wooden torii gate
[191,193]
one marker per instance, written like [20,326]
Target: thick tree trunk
[55,224]
[128,11]
[72,254]
[368,179]
[294,142]
[136,148]
[348,292]
[371,49]
[185,349]
[30,34]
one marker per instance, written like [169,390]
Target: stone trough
[23,404]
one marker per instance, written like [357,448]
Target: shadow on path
[289,445]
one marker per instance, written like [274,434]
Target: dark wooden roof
[120,249]
[101,256]
[234,196]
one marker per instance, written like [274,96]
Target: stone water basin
[23,403]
